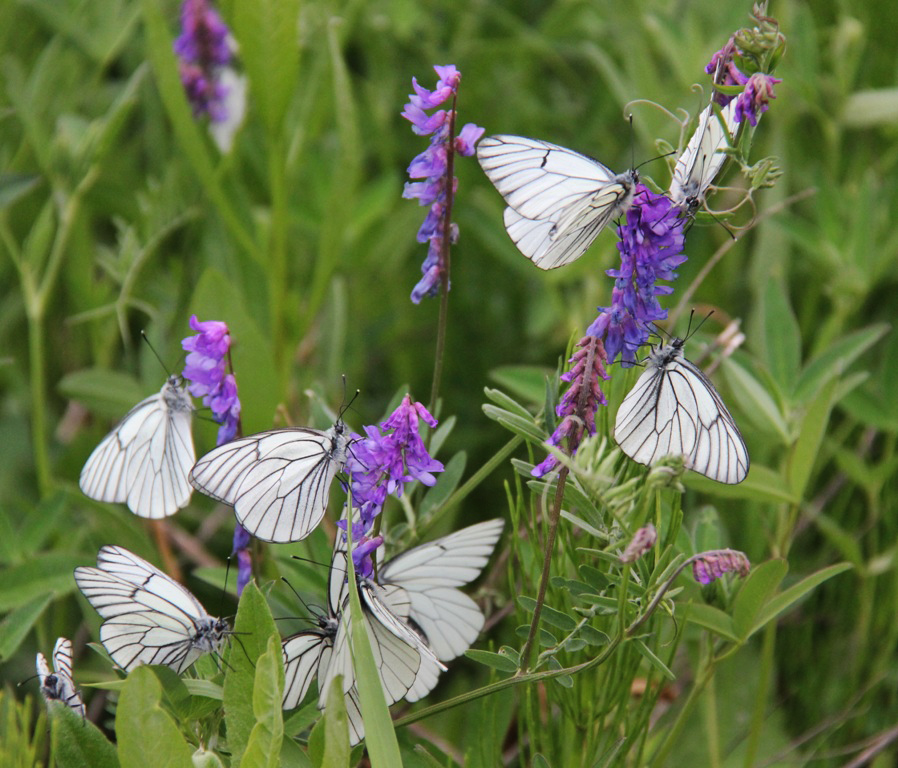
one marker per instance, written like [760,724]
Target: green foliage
[118,213]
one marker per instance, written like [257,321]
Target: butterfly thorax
[175,396]
[209,633]
[665,355]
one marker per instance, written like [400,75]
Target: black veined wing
[277,481]
[150,618]
[57,685]
[558,200]
[430,573]
[675,410]
[702,158]
[144,461]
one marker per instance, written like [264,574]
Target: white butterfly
[675,410]
[277,481]
[558,200]
[150,618]
[401,655]
[58,685]
[448,619]
[703,158]
[144,461]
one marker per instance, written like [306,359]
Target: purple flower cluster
[381,464]
[434,165]
[643,541]
[204,50]
[757,89]
[205,370]
[651,247]
[577,408]
[708,566]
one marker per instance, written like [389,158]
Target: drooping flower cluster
[643,541]
[381,464]
[708,566]
[205,50]
[204,368]
[577,407]
[651,247]
[435,165]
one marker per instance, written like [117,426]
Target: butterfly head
[175,395]
[210,633]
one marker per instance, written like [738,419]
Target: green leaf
[714,620]
[844,541]
[788,597]
[755,401]
[380,736]
[762,484]
[79,743]
[810,437]
[525,381]
[653,659]
[759,587]
[504,401]
[254,626]
[494,660]
[835,359]
[549,614]
[41,575]
[264,747]
[14,186]
[18,623]
[517,424]
[268,33]
[103,392]
[782,336]
[336,728]
[146,735]
[447,482]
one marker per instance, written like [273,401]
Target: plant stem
[445,261]
[277,252]
[38,404]
[759,713]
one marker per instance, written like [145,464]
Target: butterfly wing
[558,200]
[277,481]
[703,157]
[150,618]
[429,573]
[144,461]
[674,409]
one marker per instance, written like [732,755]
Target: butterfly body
[674,409]
[144,461]
[58,685]
[150,618]
[277,481]
[558,200]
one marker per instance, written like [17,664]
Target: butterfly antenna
[305,605]
[632,143]
[165,368]
[224,589]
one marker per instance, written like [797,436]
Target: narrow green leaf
[755,401]
[494,660]
[447,482]
[526,381]
[263,750]
[845,542]
[336,728]
[549,614]
[758,589]
[41,575]
[762,484]
[653,659]
[517,424]
[268,33]
[502,400]
[17,624]
[78,742]
[810,437]
[147,736]
[14,186]
[380,736]
[782,336]
[835,359]
[106,393]
[254,626]
[714,620]
[788,597]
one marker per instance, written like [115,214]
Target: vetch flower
[577,407]
[362,555]
[384,461]
[643,540]
[205,49]
[755,98]
[708,566]
[435,165]
[204,368]
[651,247]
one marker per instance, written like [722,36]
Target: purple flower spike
[383,462]
[434,165]
[362,555]
[643,541]
[204,49]
[755,99]
[577,408]
[651,247]
[709,566]
[204,368]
